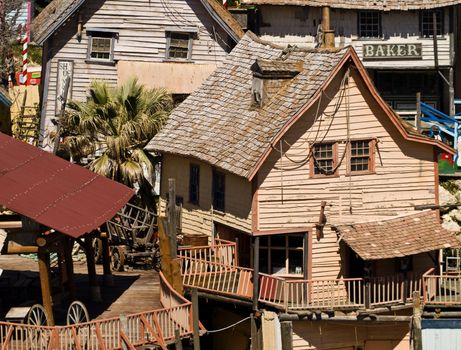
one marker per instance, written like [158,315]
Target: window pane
[218,190]
[369,24]
[278,261]
[295,241]
[360,155]
[100,46]
[278,241]
[295,261]
[179,45]
[263,261]
[323,159]
[194,181]
[426,22]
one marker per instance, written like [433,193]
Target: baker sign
[392,51]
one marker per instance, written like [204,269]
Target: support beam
[95,292]
[416,340]
[45,284]
[108,278]
[21,249]
[172,220]
[255,272]
[286,328]
[69,243]
[195,319]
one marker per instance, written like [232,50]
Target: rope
[230,326]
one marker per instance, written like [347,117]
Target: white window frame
[98,33]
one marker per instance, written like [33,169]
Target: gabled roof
[218,125]
[58,194]
[58,11]
[384,5]
[397,237]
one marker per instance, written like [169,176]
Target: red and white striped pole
[25,45]
[224,2]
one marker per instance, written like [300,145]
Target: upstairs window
[179,45]
[426,22]
[218,187]
[323,159]
[361,156]
[100,46]
[369,24]
[194,183]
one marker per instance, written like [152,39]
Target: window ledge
[358,173]
[177,60]
[324,176]
[101,62]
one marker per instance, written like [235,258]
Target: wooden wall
[199,219]
[330,335]
[298,25]
[141,26]
[403,177]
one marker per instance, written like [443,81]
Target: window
[361,156]
[369,23]
[179,45]
[194,184]
[426,22]
[323,159]
[218,190]
[100,46]
[282,254]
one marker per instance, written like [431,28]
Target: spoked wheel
[77,313]
[38,337]
[117,260]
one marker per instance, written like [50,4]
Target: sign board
[392,52]
[65,69]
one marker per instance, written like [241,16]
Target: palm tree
[112,127]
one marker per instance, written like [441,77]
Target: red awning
[54,192]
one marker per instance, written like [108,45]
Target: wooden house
[293,154]
[173,45]
[394,40]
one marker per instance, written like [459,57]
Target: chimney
[270,76]
[328,33]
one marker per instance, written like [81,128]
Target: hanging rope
[228,327]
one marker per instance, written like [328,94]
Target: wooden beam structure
[44,270]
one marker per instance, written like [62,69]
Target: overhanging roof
[397,237]
[58,194]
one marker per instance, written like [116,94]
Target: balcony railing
[441,289]
[223,252]
[215,276]
[154,327]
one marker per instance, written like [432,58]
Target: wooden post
[434,37]
[172,217]
[416,341]
[418,111]
[255,273]
[95,292]
[195,319]
[286,328]
[305,265]
[177,340]
[108,278]
[255,343]
[69,243]
[44,269]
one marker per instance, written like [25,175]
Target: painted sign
[65,69]
[392,51]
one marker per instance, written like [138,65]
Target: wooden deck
[133,291]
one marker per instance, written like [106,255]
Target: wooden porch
[214,270]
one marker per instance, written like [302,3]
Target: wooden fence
[124,332]
[441,289]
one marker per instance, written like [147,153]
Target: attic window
[179,44]
[101,46]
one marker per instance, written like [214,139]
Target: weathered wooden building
[394,40]
[293,151]
[173,45]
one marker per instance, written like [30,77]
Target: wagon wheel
[117,260]
[77,313]
[37,316]
[37,337]
[97,250]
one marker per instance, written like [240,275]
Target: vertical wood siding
[298,25]
[141,26]
[198,219]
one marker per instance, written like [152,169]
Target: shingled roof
[217,123]
[397,237]
[383,5]
[58,11]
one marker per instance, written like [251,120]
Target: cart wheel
[97,249]
[37,316]
[117,260]
[77,313]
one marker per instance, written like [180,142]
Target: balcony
[214,270]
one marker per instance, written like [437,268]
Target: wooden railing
[397,288]
[441,289]
[223,252]
[124,332]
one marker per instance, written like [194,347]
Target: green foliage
[114,125]
[450,186]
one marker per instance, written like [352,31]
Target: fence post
[177,340]
[285,295]
[416,341]
[287,335]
